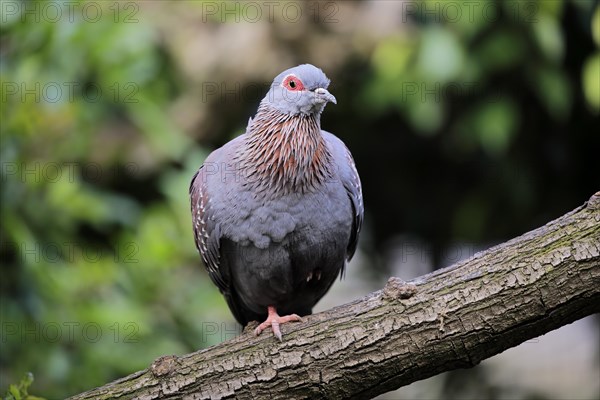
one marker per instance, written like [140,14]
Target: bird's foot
[274,320]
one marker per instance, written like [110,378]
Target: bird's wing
[206,231]
[353,187]
[351,181]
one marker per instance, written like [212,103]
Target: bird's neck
[285,153]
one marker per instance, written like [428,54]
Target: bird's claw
[274,320]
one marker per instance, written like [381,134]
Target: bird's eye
[292,83]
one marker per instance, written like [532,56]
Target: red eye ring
[292,83]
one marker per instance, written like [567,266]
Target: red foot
[274,320]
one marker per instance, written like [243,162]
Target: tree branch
[452,318]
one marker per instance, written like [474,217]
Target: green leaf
[441,55]
[492,124]
[591,82]
[14,392]
[596,26]
[391,57]
[549,38]
[554,91]
[502,50]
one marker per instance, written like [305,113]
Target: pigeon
[277,211]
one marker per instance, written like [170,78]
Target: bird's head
[300,90]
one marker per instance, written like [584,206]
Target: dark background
[470,123]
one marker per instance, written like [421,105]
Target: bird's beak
[322,95]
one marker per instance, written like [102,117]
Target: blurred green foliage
[501,99]
[92,232]
[477,130]
[20,391]
[424,73]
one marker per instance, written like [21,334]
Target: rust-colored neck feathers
[285,153]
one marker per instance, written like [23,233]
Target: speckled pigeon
[277,211]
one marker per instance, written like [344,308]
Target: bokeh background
[470,123]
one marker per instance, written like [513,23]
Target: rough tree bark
[451,318]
